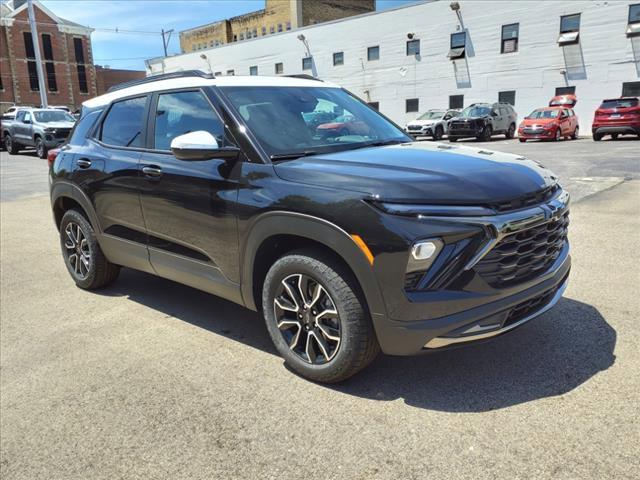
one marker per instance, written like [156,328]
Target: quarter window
[183,112]
[123,125]
[79,132]
[510,36]
[412,105]
[338,58]
[413,47]
[456,101]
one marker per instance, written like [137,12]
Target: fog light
[424,250]
[423,254]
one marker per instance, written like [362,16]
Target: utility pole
[165,42]
[36,49]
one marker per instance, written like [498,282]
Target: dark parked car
[347,245]
[617,116]
[482,120]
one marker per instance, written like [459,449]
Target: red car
[617,116]
[342,126]
[549,123]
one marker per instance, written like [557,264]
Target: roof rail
[163,76]
[304,76]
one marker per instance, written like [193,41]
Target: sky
[148,18]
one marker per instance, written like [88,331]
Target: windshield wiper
[292,155]
[382,143]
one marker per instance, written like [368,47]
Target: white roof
[186,82]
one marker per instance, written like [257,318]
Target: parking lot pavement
[151,379]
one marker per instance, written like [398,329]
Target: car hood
[57,125]
[468,119]
[539,121]
[422,122]
[422,173]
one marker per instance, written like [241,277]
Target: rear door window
[124,124]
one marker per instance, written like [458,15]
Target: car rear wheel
[453,139]
[82,254]
[614,136]
[575,134]
[41,149]
[522,140]
[437,134]
[315,318]
[12,147]
[597,137]
[511,132]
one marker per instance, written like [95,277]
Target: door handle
[152,171]
[84,163]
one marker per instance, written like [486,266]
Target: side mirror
[26,120]
[201,145]
[494,113]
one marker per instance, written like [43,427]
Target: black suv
[348,243]
[482,120]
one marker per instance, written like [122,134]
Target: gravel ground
[151,379]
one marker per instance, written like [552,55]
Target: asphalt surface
[151,379]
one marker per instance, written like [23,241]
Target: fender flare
[62,189]
[318,230]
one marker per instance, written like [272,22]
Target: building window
[217,74]
[412,105]
[457,45]
[288,25]
[47,50]
[31,64]
[373,53]
[510,35]
[631,89]
[633,28]
[235,38]
[264,30]
[456,101]
[1,84]
[255,32]
[231,72]
[338,58]
[82,73]
[241,36]
[79,51]
[279,68]
[565,91]
[211,44]
[413,47]
[253,70]
[569,29]
[279,27]
[508,96]
[374,105]
[306,63]
[82,79]
[272,29]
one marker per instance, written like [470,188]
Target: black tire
[576,132]
[453,139]
[511,132]
[522,140]
[485,135]
[597,137]
[437,134]
[98,271]
[12,147]
[41,149]
[614,136]
[357,345]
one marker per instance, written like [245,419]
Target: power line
[99,29]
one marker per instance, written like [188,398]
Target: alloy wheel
[307,318]
[40,148]
[77,250]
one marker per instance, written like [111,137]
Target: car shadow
[551,356]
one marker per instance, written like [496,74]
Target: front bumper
[536,133]
[423,132]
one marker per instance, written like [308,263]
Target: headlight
[50,130]
[423,253]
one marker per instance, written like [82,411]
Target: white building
[520,50]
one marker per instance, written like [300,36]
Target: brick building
[65,48]
[277,16]
[108,77]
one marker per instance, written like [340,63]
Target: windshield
[431,116]
[620,103]
[310,120]
[475,111]
[544,114]
[49,116]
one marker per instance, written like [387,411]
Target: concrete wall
[597,66]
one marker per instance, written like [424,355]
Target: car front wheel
[41,149]
[437,135]
[315,318]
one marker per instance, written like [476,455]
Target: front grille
[530,306]
[534,131]
[62,132]
[528,200]
[524,255]
[414,127]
